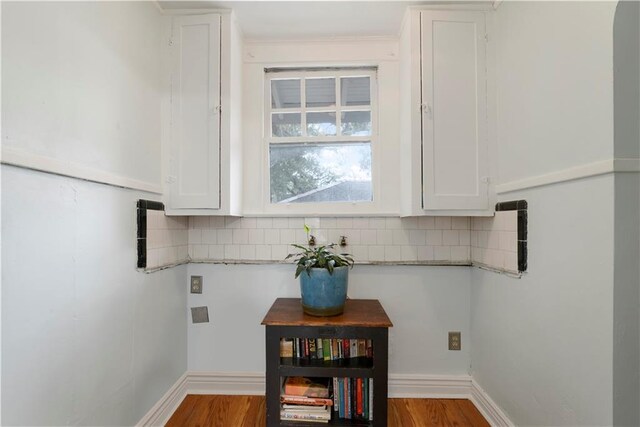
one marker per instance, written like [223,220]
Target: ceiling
[311,19]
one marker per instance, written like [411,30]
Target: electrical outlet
[455,343]
[196,284]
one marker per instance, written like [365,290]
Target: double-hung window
[320,128]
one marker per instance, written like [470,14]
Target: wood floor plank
[250,411]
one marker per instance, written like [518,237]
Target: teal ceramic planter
[324,294]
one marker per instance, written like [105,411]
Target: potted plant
[324,278]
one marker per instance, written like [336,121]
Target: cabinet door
[454,116]
[195,112]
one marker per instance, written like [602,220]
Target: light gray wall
[424,303]
[542,346]
[86,339]
[626,314]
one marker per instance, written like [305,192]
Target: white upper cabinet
[203,139]
[446,120]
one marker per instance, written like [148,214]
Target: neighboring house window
[320,127]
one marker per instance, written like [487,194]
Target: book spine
[370,399]
[295,416]
[362,348]
[370,349]
[326,349]
[359,411]
[354,348]
[303,400]
[313,352]
[335,394]
[319,348]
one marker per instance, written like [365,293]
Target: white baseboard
[160,413]
[488,408]
[253,383]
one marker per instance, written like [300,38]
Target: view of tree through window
[320,137]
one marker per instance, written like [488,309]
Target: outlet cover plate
[200,314]
[196,284]
[455,342]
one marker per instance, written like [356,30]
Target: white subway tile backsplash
[392,253]
[225,236]
[426,223]
[400,237]
[494,241]
[409,253]
[287,236]
[296,223]
[256,236]
[442,253]
[195,236]
[263,252]
[443,223]
[240,236]
[434,237]
[450,237]
[249,223]
[279,252]
[368,237]
[248,252]
[344,223]
[209,237]
[384,237]
[280,222]
[360,223]
[232,251]
[376,253]
[393,223]
[376,239]
[264,223]
[216,222]
[460,223]
[272,236]
[216,252]
[425,253]
[418,237]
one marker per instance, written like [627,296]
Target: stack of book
[306,400]
[325,349]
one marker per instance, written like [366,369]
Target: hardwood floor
[249,411]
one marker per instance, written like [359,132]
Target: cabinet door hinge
[170,43]
[486,38]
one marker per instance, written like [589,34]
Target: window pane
[285,93]
[321,124]
[320,173]
[286,124]
[355,91]
[356,123]
[320,92]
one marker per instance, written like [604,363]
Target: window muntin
[320,133]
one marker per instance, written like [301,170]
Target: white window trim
[325,208]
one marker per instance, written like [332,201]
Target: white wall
[555,97]
[542,346]
[424,303]
[86,339]
[81,84]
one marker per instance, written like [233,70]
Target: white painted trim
[23,159]
[233,383]
[160,413]
[429,386]
[496,4]
[602,167]
[487,407]
[253,383]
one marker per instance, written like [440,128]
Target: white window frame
[322,208]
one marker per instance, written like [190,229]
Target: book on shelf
[325,349]
[304,400]
[305,386]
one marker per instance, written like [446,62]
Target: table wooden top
[357,312]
